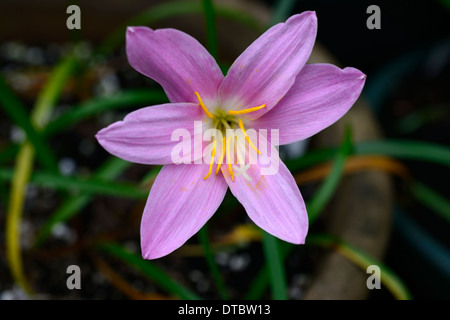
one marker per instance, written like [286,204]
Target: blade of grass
[329,185]
[50,94]
[431,199]
[93,107]
[282,10]
[82,184]
[210,26]
[407,149]
[213,268]
[275,266]
[363,260]
[150,270]
[19,115]
[20,179]
[24,162]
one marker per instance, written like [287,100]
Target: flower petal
[266,70]
[145,135]
[272,200]
[321,95]
[178,62]
[179,204]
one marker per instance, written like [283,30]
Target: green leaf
[93,107]
[431,199]
[19,115]
[407,149]
[213,268]
[261,280]
[51,92]
[392,282]
[310,158]
[275,266]
[81,184]
[210,26]
[323,195]
[282,11]
[154,273]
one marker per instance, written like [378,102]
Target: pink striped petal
[178,62]
[321,95]
[145,135]
[272,201]
[266,70]
[179,204]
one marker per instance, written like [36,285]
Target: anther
[243,111]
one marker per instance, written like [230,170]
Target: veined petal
[271,198]
[266,70]
[178,62]
[179,204]
[145,135]
[321,95]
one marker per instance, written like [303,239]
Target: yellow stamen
[229,159]
[243,111]
[241,125]
[212,160]
[209,114]
[221,156]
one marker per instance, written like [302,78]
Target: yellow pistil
[229,159]
[241,125]
[212,159]
[209,114]
[243,111]
[221,156]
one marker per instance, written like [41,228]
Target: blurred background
[65,201]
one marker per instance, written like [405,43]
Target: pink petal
[178,62]
[144,136]
[266,70]
[273,202]
[321,95]
[179,204]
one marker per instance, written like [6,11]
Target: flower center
[223,120]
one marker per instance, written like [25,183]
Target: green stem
[210,22]
[275,266]
[213,268]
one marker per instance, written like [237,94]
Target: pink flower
[268,87]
